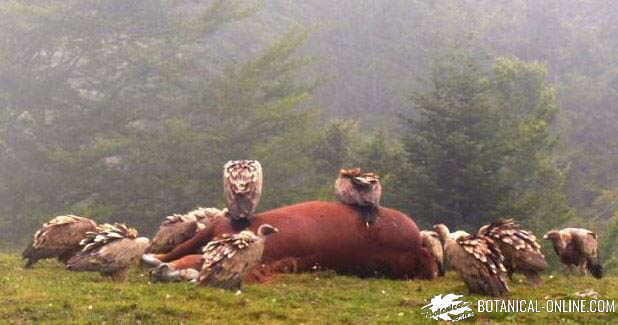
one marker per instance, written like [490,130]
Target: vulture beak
[545,236]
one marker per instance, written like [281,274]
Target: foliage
[481,147]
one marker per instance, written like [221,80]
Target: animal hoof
[151,260]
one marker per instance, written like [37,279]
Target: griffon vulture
[59,238]
[431,241]
[242,184]
[577,247]
[178,228]
[522,253]
[229,258]
[360,190]
[478,261]
[110,250]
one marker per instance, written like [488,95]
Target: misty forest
[468,110]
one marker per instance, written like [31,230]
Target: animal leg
[533,279]
[164,273]
[64,258]
[121,275]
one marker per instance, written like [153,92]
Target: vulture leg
[533,278]
[64,258]
[120,275]
[368,214]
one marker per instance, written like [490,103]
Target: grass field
[49,294]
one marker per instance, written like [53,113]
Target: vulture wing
[520,247]
[59,237]
[480,263]
[226,260]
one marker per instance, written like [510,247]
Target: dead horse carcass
[328,235]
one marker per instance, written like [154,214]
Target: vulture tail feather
[594,267]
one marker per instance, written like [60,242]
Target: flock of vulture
[482,260]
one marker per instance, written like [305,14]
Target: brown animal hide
[332,236]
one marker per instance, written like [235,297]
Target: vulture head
[558,238]
[242,184]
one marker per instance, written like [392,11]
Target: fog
[468,110]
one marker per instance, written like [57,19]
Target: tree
[128,110]
[480,145]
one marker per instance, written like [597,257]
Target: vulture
[59,238]
[360,190]
[519,247]
[477,259]
[431,241]
[242,184]
[229,258]
[577,247]
[177,228]
[110,250]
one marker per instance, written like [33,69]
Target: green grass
[49,294]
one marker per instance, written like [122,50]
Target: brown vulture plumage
[477,260]
[177,228]
[521,251]
[360,190]
[110,250]
[577,247]
[59,238]
[229,258]
[431,241]
[242,184]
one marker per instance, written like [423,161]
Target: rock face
[329,235]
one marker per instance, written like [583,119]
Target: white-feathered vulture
[58,238]
[360,190]
[228,258]
[521,251]
[577,247]
[110,250]
[477,260]
[177,228]
[431,241]
[242,184]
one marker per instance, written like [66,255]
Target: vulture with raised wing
[110,250]
[58,238]
[177,228]
[477,260]
[521,251]
[242,184]
[229,258]
[577,247]
[431,241]
[360,190]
